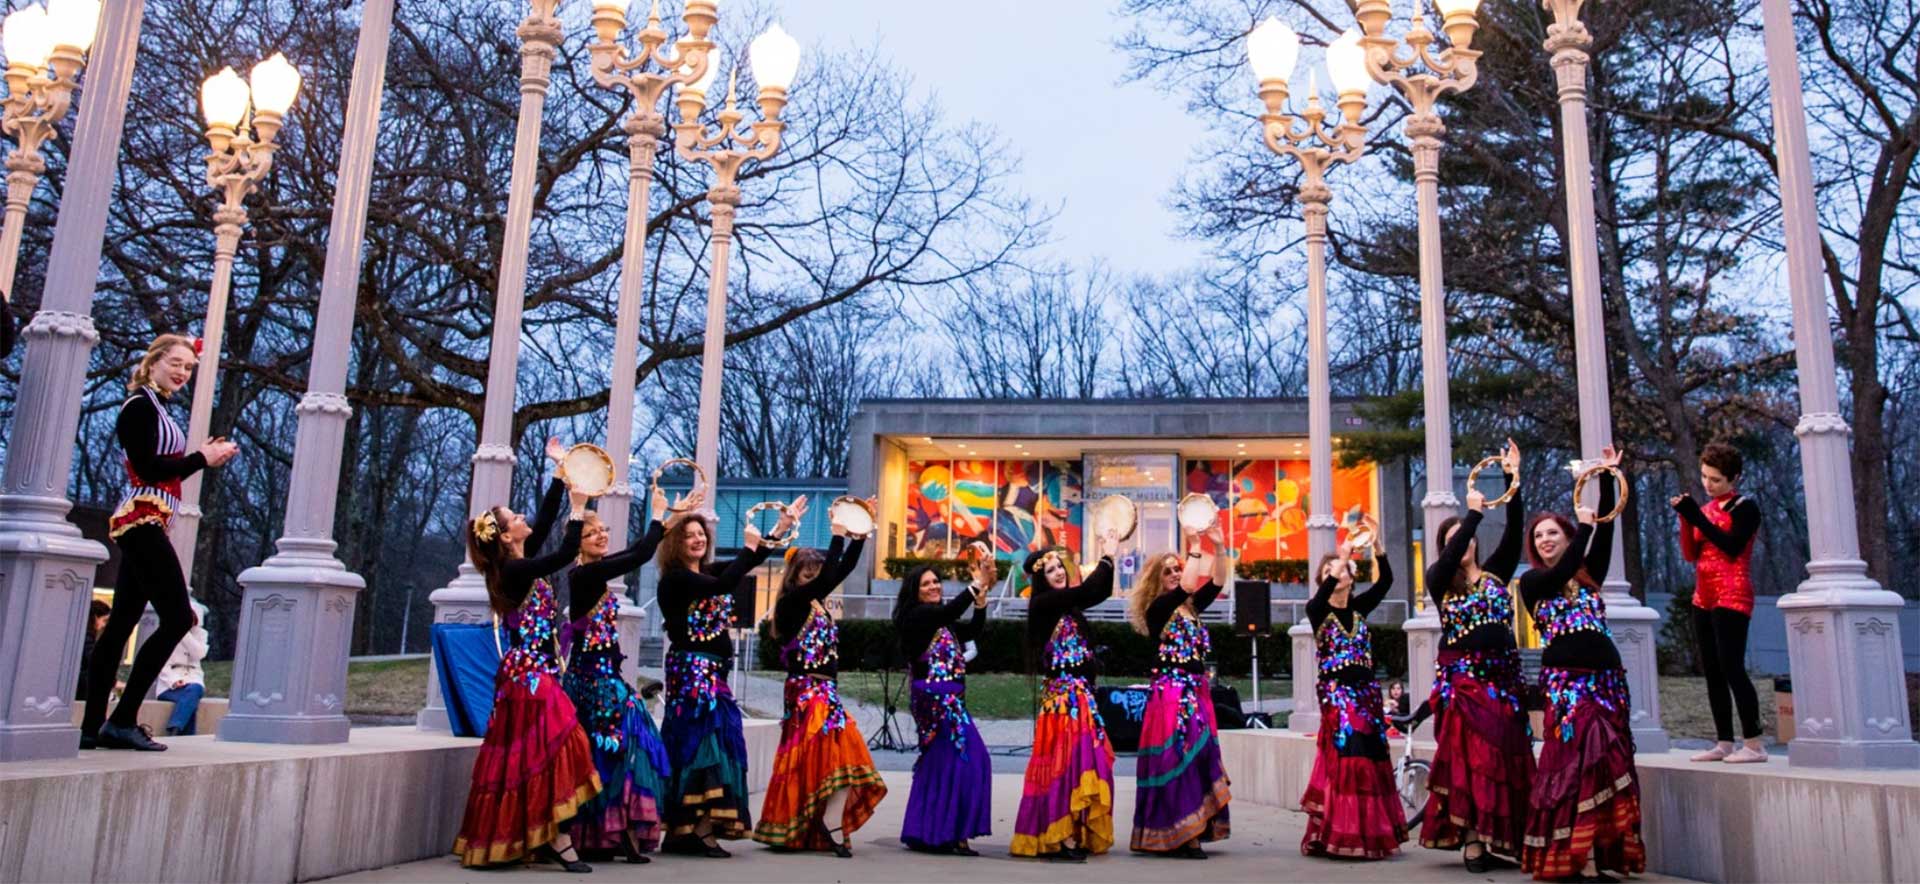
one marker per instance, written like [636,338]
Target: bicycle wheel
[1410,780]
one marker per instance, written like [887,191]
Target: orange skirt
[821,752]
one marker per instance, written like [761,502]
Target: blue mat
[466,658]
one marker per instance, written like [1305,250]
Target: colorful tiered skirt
[1483,761]
[952,795]
[1068,792]
[630,759]
[1182,786]
[821,752]
[1353,809]
[534,771]
[1586,794]
[706,750]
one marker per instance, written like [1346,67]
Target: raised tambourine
[1513,478]
[854,514]
[588,469]
[1116,513]
[1197,513]
[1360,538]
[768,540]
[699,480]
[1620,484]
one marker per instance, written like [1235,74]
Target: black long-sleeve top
[790,613]
[1358,605]
[1047,606]
[588,581]
[681,587]
[1161,610]
[1583,649]
[517,575]
[138,429]
[920,623]
[1746,521]
[1505,558]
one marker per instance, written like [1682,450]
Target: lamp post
[465,599]
[1272,49]
[46,566]
[776,58]
[46,48]
[239,160]
[1843,628]
[296,608]
[1423,77]
[617,67]
[1634,625]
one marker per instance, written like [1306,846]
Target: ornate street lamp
[46,48]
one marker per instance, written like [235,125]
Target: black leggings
[1722,636]
[149,574]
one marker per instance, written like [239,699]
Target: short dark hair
[1724,458]
[99,608]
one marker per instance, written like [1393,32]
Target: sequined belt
[1567,689]
[803,690]
[941,706]
[1062,697]
[1353,704]
[696,682]
[1497,671]
[1189,685]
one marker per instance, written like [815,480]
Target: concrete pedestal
[1850,695]
[1423,653]
[1306,673]
[290,668]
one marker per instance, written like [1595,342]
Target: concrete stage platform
[1711,822]
[207,810]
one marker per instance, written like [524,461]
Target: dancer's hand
[1584,514]
[752,542]
[1679,500]
[218,451]
[1510,457]
[657,504]
[1476,501]
[555,451]
[1611,456]
[579,501]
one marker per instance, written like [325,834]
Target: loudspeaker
[1226,707]
[1252,608]
[746,613]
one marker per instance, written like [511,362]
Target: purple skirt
[952,795]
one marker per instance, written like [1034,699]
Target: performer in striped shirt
[156,460]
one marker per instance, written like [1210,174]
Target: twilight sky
[1103,153]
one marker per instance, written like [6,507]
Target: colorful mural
[971,517]
[1063,496]
[1264,502]
[1012,505]
[929,494]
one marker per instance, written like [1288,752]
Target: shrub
[1273,570]
[1675,650]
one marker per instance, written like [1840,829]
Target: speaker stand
[1256,721]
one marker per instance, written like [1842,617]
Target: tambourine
[699,480]
[854,514]
[1513,478]
[1197,513]
[768,540]
[1360,538]
[1116,513]
[1620,484]
[587,469]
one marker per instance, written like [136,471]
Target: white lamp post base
[1306,673]
[1849,690]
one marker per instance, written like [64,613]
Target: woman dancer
[535,767]
[1353,809]
[627,752]
[156,461]
[1066,802]
[824,785]
[1585,809]
[706,746]
[1182,786]
[1483,762]
[951,801]
[1718,540]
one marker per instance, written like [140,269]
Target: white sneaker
[1747,755]
[1717,753]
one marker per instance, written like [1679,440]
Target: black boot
[119,736]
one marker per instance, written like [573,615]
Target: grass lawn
[387,687]
[1685,714]
[1003,695]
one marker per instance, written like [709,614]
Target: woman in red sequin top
[1718,540]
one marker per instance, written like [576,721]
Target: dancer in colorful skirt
[952,797]
[157,461]
[1182,793]
[1353,809]
[706,743]
[627,751]
[1718,540]
[1066,802]
[824,785]
[1584,819]
[1483,760]
[535,767]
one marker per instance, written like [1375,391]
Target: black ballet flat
[957,850]
[1063,856]
[117,736]
[546,853]
[89,741]
[1189,851]
[1080,852]
[636,858]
